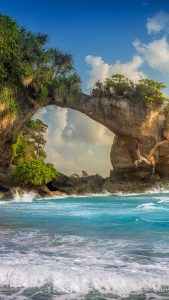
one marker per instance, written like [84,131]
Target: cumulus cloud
[81,129]
[158,23]
[67,166]
[156,53]
[101,70]
[75,142]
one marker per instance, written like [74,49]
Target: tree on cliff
[28,155]
[145,90]
[27,64]
[30,143]
[31,73]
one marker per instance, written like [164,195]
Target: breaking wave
[85,248]
[79,266]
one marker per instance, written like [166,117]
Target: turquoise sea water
[107,247]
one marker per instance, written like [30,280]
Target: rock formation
[140,147]
[34,76]
[77,185]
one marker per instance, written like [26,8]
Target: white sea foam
[24,197]
[88,195]
[81,280]
[72,264]
[154,221]
[159,189]
[75,265]
[162,199]
[152,206]
[30,196]
[146,206]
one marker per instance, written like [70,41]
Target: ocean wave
[155,190]
[81,280]
[154,221]
[162,199]
[158,190]
[77,265]
[25,197]
[105,194]
[32,196]
[77,262]
[147,206]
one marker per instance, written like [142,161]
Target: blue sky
[104,37]
[103,28]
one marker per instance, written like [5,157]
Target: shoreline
[84,186]
[18,193]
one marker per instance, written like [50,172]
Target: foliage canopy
[35,172]
[8,101]
[30,143]
[28,155]
[27,61]
[145,90]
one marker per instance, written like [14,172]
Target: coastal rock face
[95,184]
[140,135]
[140,147]
[127,161]
[162,166]
[77,185]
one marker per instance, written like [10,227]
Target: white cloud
[90,152]
[158,23]
[156,53]
[75,142]
[67,166]
[81,129]
[101,70]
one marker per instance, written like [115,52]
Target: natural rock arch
[30,72]
[139,148]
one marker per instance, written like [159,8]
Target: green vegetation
[35,172]
[28,155]
[31,72]
[8,101]
[28,64]
[145,91]
[30,143]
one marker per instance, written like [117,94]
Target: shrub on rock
[35,172]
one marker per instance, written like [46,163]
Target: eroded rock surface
[78,185]
[137,152]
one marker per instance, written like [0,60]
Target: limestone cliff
[140,147]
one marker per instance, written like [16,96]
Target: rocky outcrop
[5,193]
[138,150]
[139,134]
[95,184]
[77,185]
[162,162]
[89,185]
